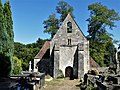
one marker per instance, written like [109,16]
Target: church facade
[68,51]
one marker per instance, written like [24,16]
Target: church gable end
[68,55]
[68,45]
[69,33]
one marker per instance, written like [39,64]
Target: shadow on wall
[44,63]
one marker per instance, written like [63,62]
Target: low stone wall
[34,82]
[112,84]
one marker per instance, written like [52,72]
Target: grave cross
[30,69]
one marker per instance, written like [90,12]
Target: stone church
[67,52]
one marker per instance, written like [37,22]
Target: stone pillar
[86,57]
[80,60]
[56,63]
[80,65]
[75,65]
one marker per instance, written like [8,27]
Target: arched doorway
[69,72]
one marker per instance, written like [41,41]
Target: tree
[27,52]
[110,54]
[5,55]
[9,28]
[39,43]
[51,25]
[3,33]
[21,52]
[17,65]
[63,9]
[100,18]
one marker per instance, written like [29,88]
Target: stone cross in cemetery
[30,69]
[66,53]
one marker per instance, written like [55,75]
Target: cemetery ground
[62,84]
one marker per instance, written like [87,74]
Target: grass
[61,84]
[47,76]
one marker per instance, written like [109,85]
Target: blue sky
[28,17]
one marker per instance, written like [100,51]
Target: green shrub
[17,65]
[60,74]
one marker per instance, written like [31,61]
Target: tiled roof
[93,63]
[43,50]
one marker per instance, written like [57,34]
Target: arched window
[69,27]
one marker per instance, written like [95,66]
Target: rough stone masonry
[69,51]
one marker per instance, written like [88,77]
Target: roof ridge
[42,51]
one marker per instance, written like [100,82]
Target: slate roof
[43,50]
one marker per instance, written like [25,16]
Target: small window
[69,41]
[69,27]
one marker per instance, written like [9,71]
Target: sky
[28,17]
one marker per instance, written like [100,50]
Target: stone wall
[66,57]
[64,51]
[56,64]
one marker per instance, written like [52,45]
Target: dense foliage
[6,38]
[17,65]
[63,8]
[51,25]
[101,42]
[26,53]
[3,32]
